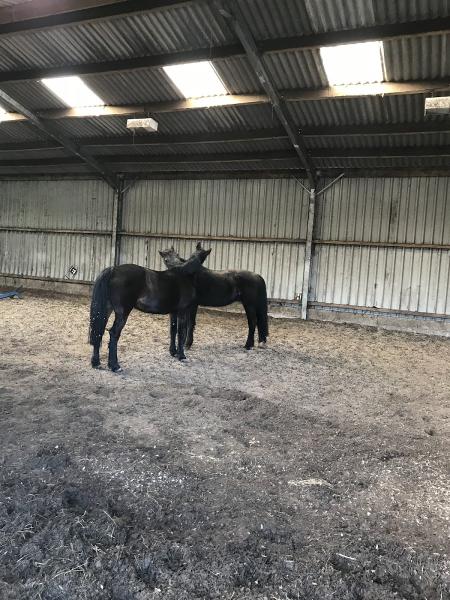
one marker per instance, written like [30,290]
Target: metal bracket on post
[117,222]
[313,195]
[119,196]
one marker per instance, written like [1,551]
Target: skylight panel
[353,63]
[3,113]
[73,91]
[195,80]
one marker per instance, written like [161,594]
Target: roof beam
[50,130]
[240,157]
[151,139]
[329,93]
[42,14]
[232,13]
[317,40]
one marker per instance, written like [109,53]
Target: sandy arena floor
[315,469]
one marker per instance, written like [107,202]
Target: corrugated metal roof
[172,29]
[271,19]
[402,11]
[421,57]
[94,126]
[197,24]
[237,75]
[329,15]
[129,87]
[412,140]
[384,162]
[300,69]
[14,132]
[218,119]
[32,94]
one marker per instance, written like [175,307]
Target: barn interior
[307,141]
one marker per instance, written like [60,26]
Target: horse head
[172,259]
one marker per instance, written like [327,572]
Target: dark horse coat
[122,288]
[220,288]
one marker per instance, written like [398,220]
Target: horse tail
[99,307]
[261,311]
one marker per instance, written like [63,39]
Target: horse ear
[208,252]
[161,253]
[198,246]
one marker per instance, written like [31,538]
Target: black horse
[122,288]
[220,288]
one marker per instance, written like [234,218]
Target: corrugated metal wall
[48,226]
[381,243]
[259,225]
[385,244]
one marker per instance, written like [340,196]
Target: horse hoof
[173,352]
[181,356]
[262,344]
[115,368]
[95,364]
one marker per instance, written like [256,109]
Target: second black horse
[220,288]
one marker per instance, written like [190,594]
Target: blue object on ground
[11,294]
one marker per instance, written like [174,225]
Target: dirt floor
[315,469]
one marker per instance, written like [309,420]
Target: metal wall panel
[264,208]
[379,242]
[51,255]
[60,218]
[406,210]
[266,217]
[409,211]
[53,204]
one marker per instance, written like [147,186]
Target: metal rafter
[50,130]
[233,15]
[151,139]
[241,157]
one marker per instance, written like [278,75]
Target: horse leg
[114,335]
[251,319]
[191,327]
[95,359]
[173,334]
[182,324]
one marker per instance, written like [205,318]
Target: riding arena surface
[316,468]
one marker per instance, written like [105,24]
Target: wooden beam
[328,93]
[61,12]
[232,13]
[43,14]
[50,130]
